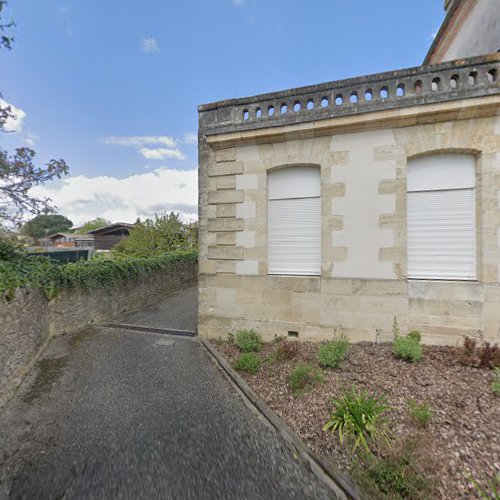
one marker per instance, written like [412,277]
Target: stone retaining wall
[29,320]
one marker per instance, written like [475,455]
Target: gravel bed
[462,440]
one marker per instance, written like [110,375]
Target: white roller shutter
[294,221]
[295,236]
[441,222]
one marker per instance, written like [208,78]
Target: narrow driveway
[113,413]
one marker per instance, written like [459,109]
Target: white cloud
[15,122]
[166,146]
[140,140]
[149,45]
[83,198]
[161,153]
[239,3]
[190,138]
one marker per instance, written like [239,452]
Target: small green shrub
[248,341]
[303,376]
[396,475]
[420,412]
[407,348]
[287,350]
[415,335]
[357,415]
[247,362]
[495,386]
[333,353]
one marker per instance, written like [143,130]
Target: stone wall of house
[363,282]
[29,320]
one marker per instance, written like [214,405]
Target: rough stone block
[226,196]
[221,225]
[225,155]
[226,210]
[226,239]
[226,182]
[225,253]
[230,168]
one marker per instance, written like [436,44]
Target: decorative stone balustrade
[461,79]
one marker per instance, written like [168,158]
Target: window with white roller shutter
[294,221]
[441,218]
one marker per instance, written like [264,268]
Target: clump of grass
[495,386]
[415,335]
[333,353]
[248,341]
[493,490]
[358,416]
[420,412]
[398,474]
[287,350]
[248,362]
[407,348]
[304,376]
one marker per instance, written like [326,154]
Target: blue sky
[113,86]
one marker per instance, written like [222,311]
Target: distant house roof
[73,236]
[112,227]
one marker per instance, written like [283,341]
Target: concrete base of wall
[444,312]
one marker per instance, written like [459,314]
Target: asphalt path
[115,413]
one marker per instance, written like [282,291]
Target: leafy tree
[94,224]
[46,224]
[18,173]
[165,233]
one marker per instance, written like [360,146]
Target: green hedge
[40,272]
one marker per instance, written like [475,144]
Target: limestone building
[350,202]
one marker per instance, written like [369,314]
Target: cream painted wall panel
[362,205]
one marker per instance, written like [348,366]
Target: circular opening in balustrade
[492,75]
[368,95]
[270,110]
[284,108]
[454,81]
[258,112]
[246,114]
[384,92]
[435,84]
[472,78]
[400,91]
[296,106]
[324,102]
[310,104]
[353,97]
[339,100]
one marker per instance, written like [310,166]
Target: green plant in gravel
[303,376]
[395,328]
[415,335]
[248,341]
[420,412]
[247,362]
[333,353]
[493,487]
[495,386]
[398,474]
[358,416]
[407,348]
